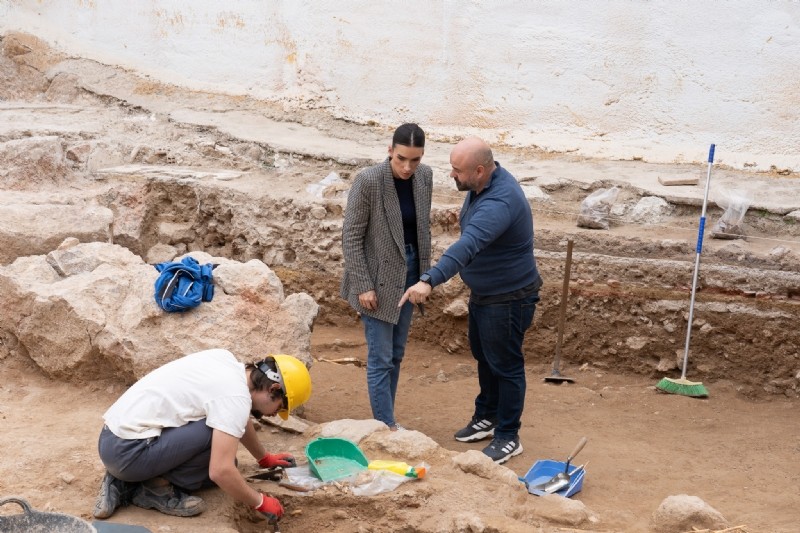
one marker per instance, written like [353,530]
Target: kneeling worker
[178,429]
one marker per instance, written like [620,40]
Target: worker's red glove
[271,508]
[272,460]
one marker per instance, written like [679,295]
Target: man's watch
[426,278]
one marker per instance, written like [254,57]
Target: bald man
[494,256]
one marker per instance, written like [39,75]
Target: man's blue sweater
[495,251]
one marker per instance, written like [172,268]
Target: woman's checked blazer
[372,238]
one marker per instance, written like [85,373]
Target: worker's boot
[163,496]
[113,494]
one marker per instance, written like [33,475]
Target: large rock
[560,510]
[32,162]
[478,463]
[31,229]
[408,445]
[347,428]
[650,210]
[88,309]
[685,513]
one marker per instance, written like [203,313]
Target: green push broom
[683,386]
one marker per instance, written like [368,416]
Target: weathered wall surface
[651,80]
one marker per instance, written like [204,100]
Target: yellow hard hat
[295,381]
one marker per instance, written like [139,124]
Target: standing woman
[386,241]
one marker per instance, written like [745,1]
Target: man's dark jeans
[496,332]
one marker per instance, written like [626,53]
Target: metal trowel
[268,474]
[560,478]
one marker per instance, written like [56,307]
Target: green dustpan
[334,458]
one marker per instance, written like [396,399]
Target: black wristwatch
[426,278]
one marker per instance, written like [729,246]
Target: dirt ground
[740,456]
[739,450]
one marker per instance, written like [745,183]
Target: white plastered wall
[617,79]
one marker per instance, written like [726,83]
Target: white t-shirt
[210,384]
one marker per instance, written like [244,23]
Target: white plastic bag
[596,207]
[735,204]
[301,478]
[365,483]
[375,482]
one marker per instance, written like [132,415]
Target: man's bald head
[476,150]
[473,164]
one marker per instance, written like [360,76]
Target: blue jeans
[496,332]
[386,346]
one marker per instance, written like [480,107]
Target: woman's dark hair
[409,134]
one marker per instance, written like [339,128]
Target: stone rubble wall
[629,298]
[625,312]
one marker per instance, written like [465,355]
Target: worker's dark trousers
[496,332]
[180,455]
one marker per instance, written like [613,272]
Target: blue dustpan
[543,471]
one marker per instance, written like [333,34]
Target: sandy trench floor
[739,455]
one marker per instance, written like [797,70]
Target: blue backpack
[183,285]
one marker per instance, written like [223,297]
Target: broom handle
[697,262]
[562,311]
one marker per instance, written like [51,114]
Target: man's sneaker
[501,450]
[476,430]
[113,493]
[169,500]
